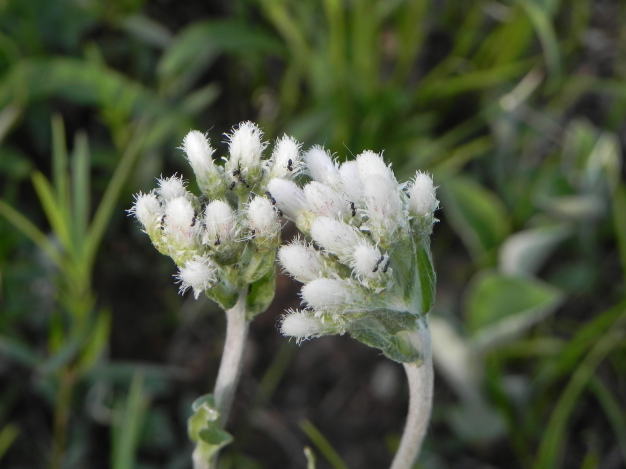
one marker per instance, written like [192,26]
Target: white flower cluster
[370,239]
[228,238]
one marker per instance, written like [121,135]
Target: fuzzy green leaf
[261,294]
[388,331]
[501,306]
[203,428]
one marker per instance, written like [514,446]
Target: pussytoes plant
[363,258]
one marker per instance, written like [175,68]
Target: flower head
[363,276]
[198,274]
[227,239]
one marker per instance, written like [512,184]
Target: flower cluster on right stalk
[367,268]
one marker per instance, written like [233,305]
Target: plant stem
[420,376]
[61,417]
[230,367]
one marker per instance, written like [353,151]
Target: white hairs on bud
[220,223]
[301,260]
[262,218]
[171,188]
[322,200]
[147,209]
[334,236]
[325,294]
[350,182]
[179,215]
[422,199]
[198,274]
[302,325]
[289,198]
[321,167]
[366,261]
[246,145]
[370,163]
[199,153]
[286,158]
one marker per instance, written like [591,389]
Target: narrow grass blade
[111,195]
[7,436]
[619,220]
[59,160]
[322,444]
[542,22]
[55,213]
[550,450]
[81,187]
[614,412]
[127,425]
[31,231]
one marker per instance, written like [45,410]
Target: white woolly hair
[246,145]
[171,188]
[301,260]
[199,152]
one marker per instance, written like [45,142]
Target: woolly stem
[420,376]
[232,358]
[230,368]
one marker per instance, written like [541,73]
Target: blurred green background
[517,108]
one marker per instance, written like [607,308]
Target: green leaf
[476,214]
[32,232]
[389,331]
[203,428]
[261,294]
[127,424]
[500,306]
[619,220]
[323,446]
[526,251]
[310,458]
[18,351]
[196,48]
[426,277]
[81,185]
[56,214]
[8,434]
[98,340]
[540,16]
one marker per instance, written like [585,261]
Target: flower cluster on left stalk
[224,241]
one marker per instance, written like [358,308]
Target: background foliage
[517,107]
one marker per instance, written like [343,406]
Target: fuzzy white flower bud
[324,294]
[288,196]
[384,206]
[148,210]
[199,153]
[246,145]
[262,218]
[350,182]
[334,236]
[367,261]
[171,188]
[321,167]
[302,261]
[198,274]
[286,158]
[370,163]
[302,325]
[322,200]
[422,199]
[220,223]
[179,222]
